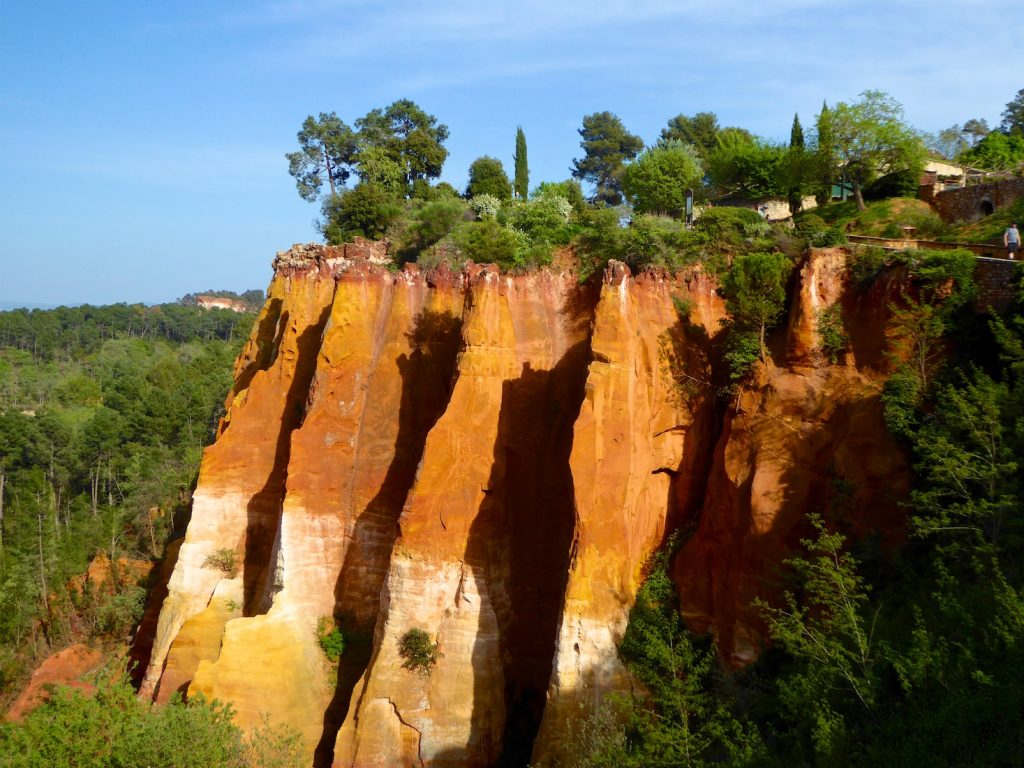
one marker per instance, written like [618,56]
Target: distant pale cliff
[492,458]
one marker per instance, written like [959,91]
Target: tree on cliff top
[607,145]
[409,137]
[487,177]
[870,136]
[521,184]
[755,292]
[658,180]
[326,149]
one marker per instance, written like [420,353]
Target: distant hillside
[249,301]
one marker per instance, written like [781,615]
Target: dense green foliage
[330,638]
[396,150]
[746,167]
[114,729]
[869,137]
[104,412]
[659,178]
[487,177]
[365,211]
[996,152]
[700,131]
[755,295]
[686,720]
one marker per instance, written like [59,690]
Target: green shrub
[365,211]
[487,241]
[545,219]
[418,651]
[866,264]
[112,727]
[118,614]
[434,221]
[727,226]
[222,560]
[330,639]
[831,331]
[813,230]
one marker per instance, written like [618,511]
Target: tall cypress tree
[796,166]
[521,185]
[826,142]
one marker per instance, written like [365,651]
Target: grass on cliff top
[886,218]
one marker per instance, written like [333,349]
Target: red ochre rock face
[492,458]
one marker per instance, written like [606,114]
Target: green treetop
[657,181]
[410,137]
[607,145]
[870,137]
[326,149]
[487,177]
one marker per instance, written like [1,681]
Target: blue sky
[142,143]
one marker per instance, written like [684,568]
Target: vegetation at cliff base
[112,728]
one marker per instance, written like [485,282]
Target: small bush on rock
[222,560]
[418,650]
[330,639]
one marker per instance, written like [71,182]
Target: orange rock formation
[491,459]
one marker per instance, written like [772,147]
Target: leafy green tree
[686,721]
[996,152]
[607,146]
[367,211]
[823,152]
[870,137]
[742,165]
[522,167]
[755,293]
[798,168]
[1013,115]
[410,137]
[487,177]
[377,167]
[657,181]
[701,131]
[827,626]
[326,150]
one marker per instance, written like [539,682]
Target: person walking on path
[1011,239]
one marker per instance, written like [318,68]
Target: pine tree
[521,185]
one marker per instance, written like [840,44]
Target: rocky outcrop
[808,437]
[491,459]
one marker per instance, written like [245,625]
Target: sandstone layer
[491,459]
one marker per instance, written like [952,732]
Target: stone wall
[998,283]
[974,202]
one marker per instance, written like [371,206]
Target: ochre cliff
[492,459]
